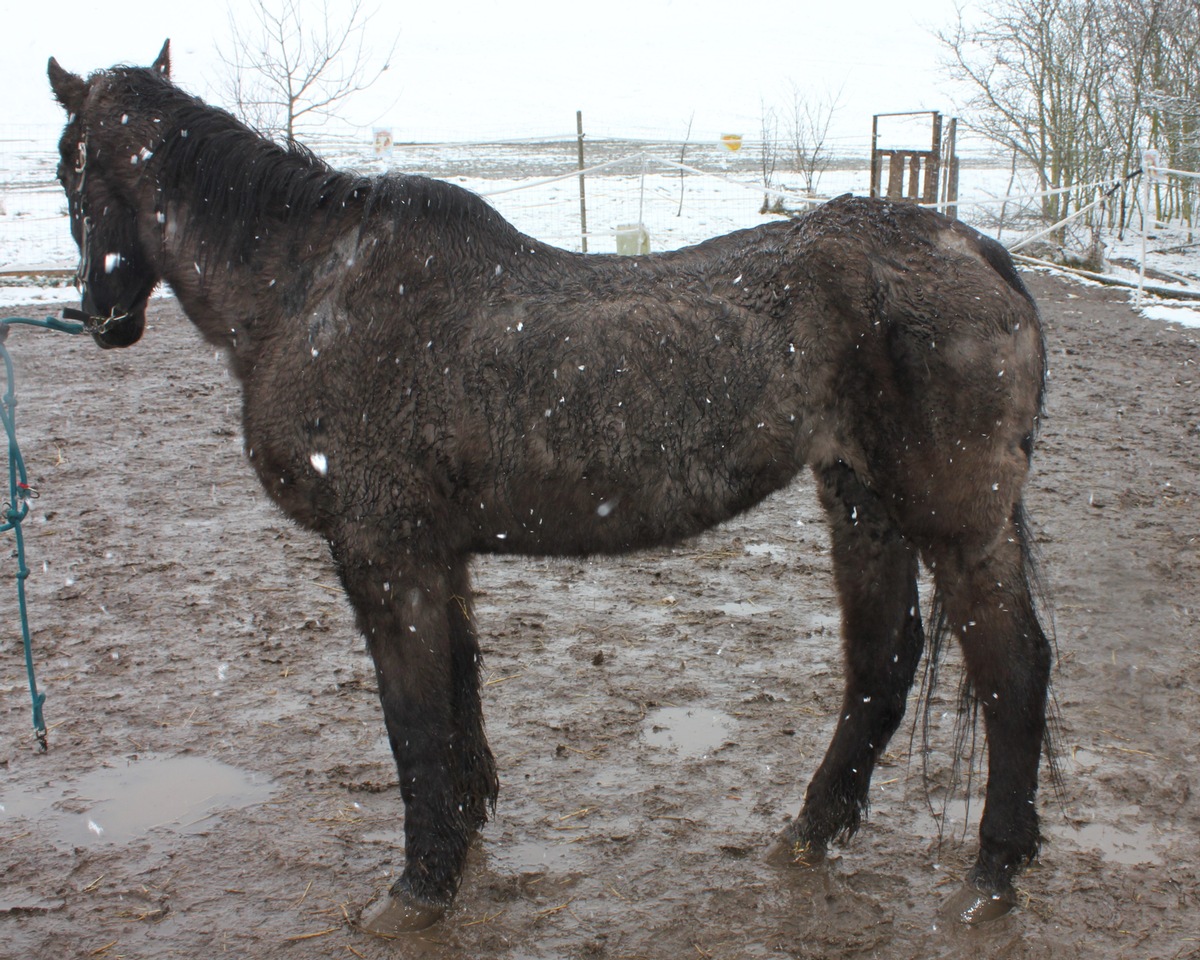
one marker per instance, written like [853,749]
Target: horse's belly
[590,515]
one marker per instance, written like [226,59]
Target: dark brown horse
[423,383]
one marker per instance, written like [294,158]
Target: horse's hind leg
[987,602]
[417,623]
[875,570]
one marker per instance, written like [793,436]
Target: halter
[85,220]
[91,324]
[94,324]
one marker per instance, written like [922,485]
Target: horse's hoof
[970,905]
[788,851]
[398,915]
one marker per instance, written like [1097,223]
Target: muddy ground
[218,783]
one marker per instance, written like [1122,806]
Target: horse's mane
[244,186]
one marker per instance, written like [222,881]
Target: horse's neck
[219,299]
[227,299]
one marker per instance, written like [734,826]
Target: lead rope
[17,507]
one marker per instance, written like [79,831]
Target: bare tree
[807,122]
[768,153]
[1172,103]
[293,61]
[1077,89]
[683,153]
[1037,69]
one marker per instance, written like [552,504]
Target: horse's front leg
[875,571]
[417,623]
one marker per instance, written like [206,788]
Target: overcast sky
[469,69]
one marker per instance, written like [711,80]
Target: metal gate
[917,175]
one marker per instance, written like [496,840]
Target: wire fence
[33,210]
[639,195]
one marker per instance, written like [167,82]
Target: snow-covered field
[535,185]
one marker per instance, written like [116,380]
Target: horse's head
[99,155]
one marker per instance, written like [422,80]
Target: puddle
[273,709]
[774,551]
[1085,758]
[1130,844]
[825,623]
[954,818]
[118,804]
[1117,845]
[530,856]
[533,857]
[744,609]
[689,731]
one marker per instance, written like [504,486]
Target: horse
[423,383]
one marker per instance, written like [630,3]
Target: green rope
[20,493]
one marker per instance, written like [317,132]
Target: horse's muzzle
[118,329]
[121,332]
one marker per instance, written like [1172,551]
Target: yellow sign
[732,141]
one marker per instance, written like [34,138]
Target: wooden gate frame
[911,164]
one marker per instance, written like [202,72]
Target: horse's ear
[69,90]
[162,65]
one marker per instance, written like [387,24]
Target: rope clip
[95,325]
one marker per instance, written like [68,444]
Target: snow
[1186,315]
[535,186]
